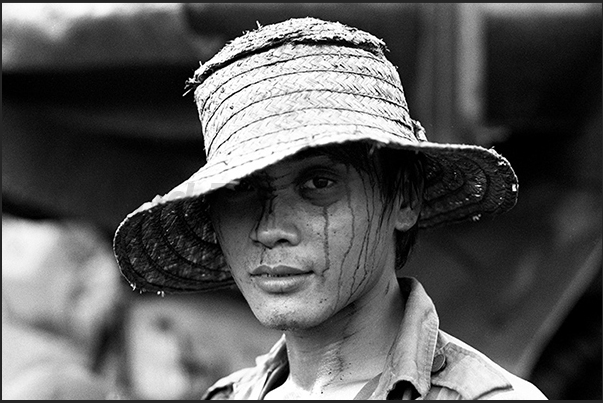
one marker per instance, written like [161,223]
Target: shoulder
[223,389]
[247,383]
[469,374]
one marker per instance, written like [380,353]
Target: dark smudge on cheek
[352,229]
[359,249]
[366,249]
[325,213]
[362,269]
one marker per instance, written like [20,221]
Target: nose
[277,225]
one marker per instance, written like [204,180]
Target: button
[439,362]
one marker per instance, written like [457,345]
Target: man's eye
[318,183]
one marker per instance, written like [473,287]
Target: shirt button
[439,362]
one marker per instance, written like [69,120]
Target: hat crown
[295,30]
[301,75]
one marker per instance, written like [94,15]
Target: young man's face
[305,238]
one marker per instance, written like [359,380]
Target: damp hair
[397,172]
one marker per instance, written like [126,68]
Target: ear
[409,204]
[406,217]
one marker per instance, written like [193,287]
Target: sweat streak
[325,213]
[347,252]
[365,245]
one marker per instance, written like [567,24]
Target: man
[316,182]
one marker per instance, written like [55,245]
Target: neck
[340,356]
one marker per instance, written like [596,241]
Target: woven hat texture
[276,91]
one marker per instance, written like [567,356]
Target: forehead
[312,155]
[298,163]
[331,155]
[344,153]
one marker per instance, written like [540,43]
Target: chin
[286,321]
[285,313]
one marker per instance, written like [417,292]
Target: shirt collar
[411,356]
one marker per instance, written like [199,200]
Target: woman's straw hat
[269,94]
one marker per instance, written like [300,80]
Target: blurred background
[95,124]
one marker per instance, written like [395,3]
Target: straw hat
[271,93]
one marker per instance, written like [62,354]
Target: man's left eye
[318,183]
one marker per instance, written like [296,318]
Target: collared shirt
[425,363]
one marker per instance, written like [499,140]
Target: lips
[281,279]
[277,271]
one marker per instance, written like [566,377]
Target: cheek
[355,227]
[358,243]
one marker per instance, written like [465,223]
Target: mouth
[277,271]
[267,275]
[280,279]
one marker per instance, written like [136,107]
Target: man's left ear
[406,217]
[410,206]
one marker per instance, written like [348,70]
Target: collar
[411,357]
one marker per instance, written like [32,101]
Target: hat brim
[169,245]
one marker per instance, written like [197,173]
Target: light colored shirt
[425,363]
